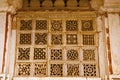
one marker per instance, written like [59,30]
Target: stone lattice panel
[88,40]
[56,54]
[56,69]
[25,38]
[40,69]
[87,25]
[40,38]
[26,25]
[89,70]
[23,53]
[71,25]
[73,69]
[41,24]
[39,53]
[71,38]
[72,54]
[88,55]
[56,25]
[24,69]
[56,39]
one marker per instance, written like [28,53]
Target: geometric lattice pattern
[89,70]
[87,25]
[56,25]
[40,38]
[71,25]
[24,54]
[25,38]
[73,69]
[88,55]
[56,69]
[40,69]
[88,40]
[56,47]
[39,53]
[26,25]
[72,54]
[56,54]
[41,24]
[71,38]
[56,39]
[24,69]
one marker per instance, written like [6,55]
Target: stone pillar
[102,47]
[114,32]
[111,18]
[6,35]
[2,40]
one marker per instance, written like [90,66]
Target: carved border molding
[62,14]
[110,9]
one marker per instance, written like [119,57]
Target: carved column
[6,13]
[112,30]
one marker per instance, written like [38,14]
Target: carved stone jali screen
[56,44]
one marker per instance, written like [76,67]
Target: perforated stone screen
[56,44]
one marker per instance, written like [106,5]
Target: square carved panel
[56,69]
[23,53]
[88,55]
[39,53]
[56,54]
[41,24]
[25,38]
[24,69]
[89,70]
[73,69]
[88,40]
[72,54]
[87,25]
[40,38]
[40,69]
[71,25]
[56,39]
[56,25]
[26,25]
[71,38]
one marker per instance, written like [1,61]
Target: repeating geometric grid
[25,38]
[23,69]
[56,25]
[89,70]
[40,69]
[73,69]
[71,25]
[26,25]
[87,25]
[71,38]
[39,53]
[41,24]
[24,54]
[40,38]
[56,69]
[88,39]
[72,54]
[56,54]
[88,55]
[56,39]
